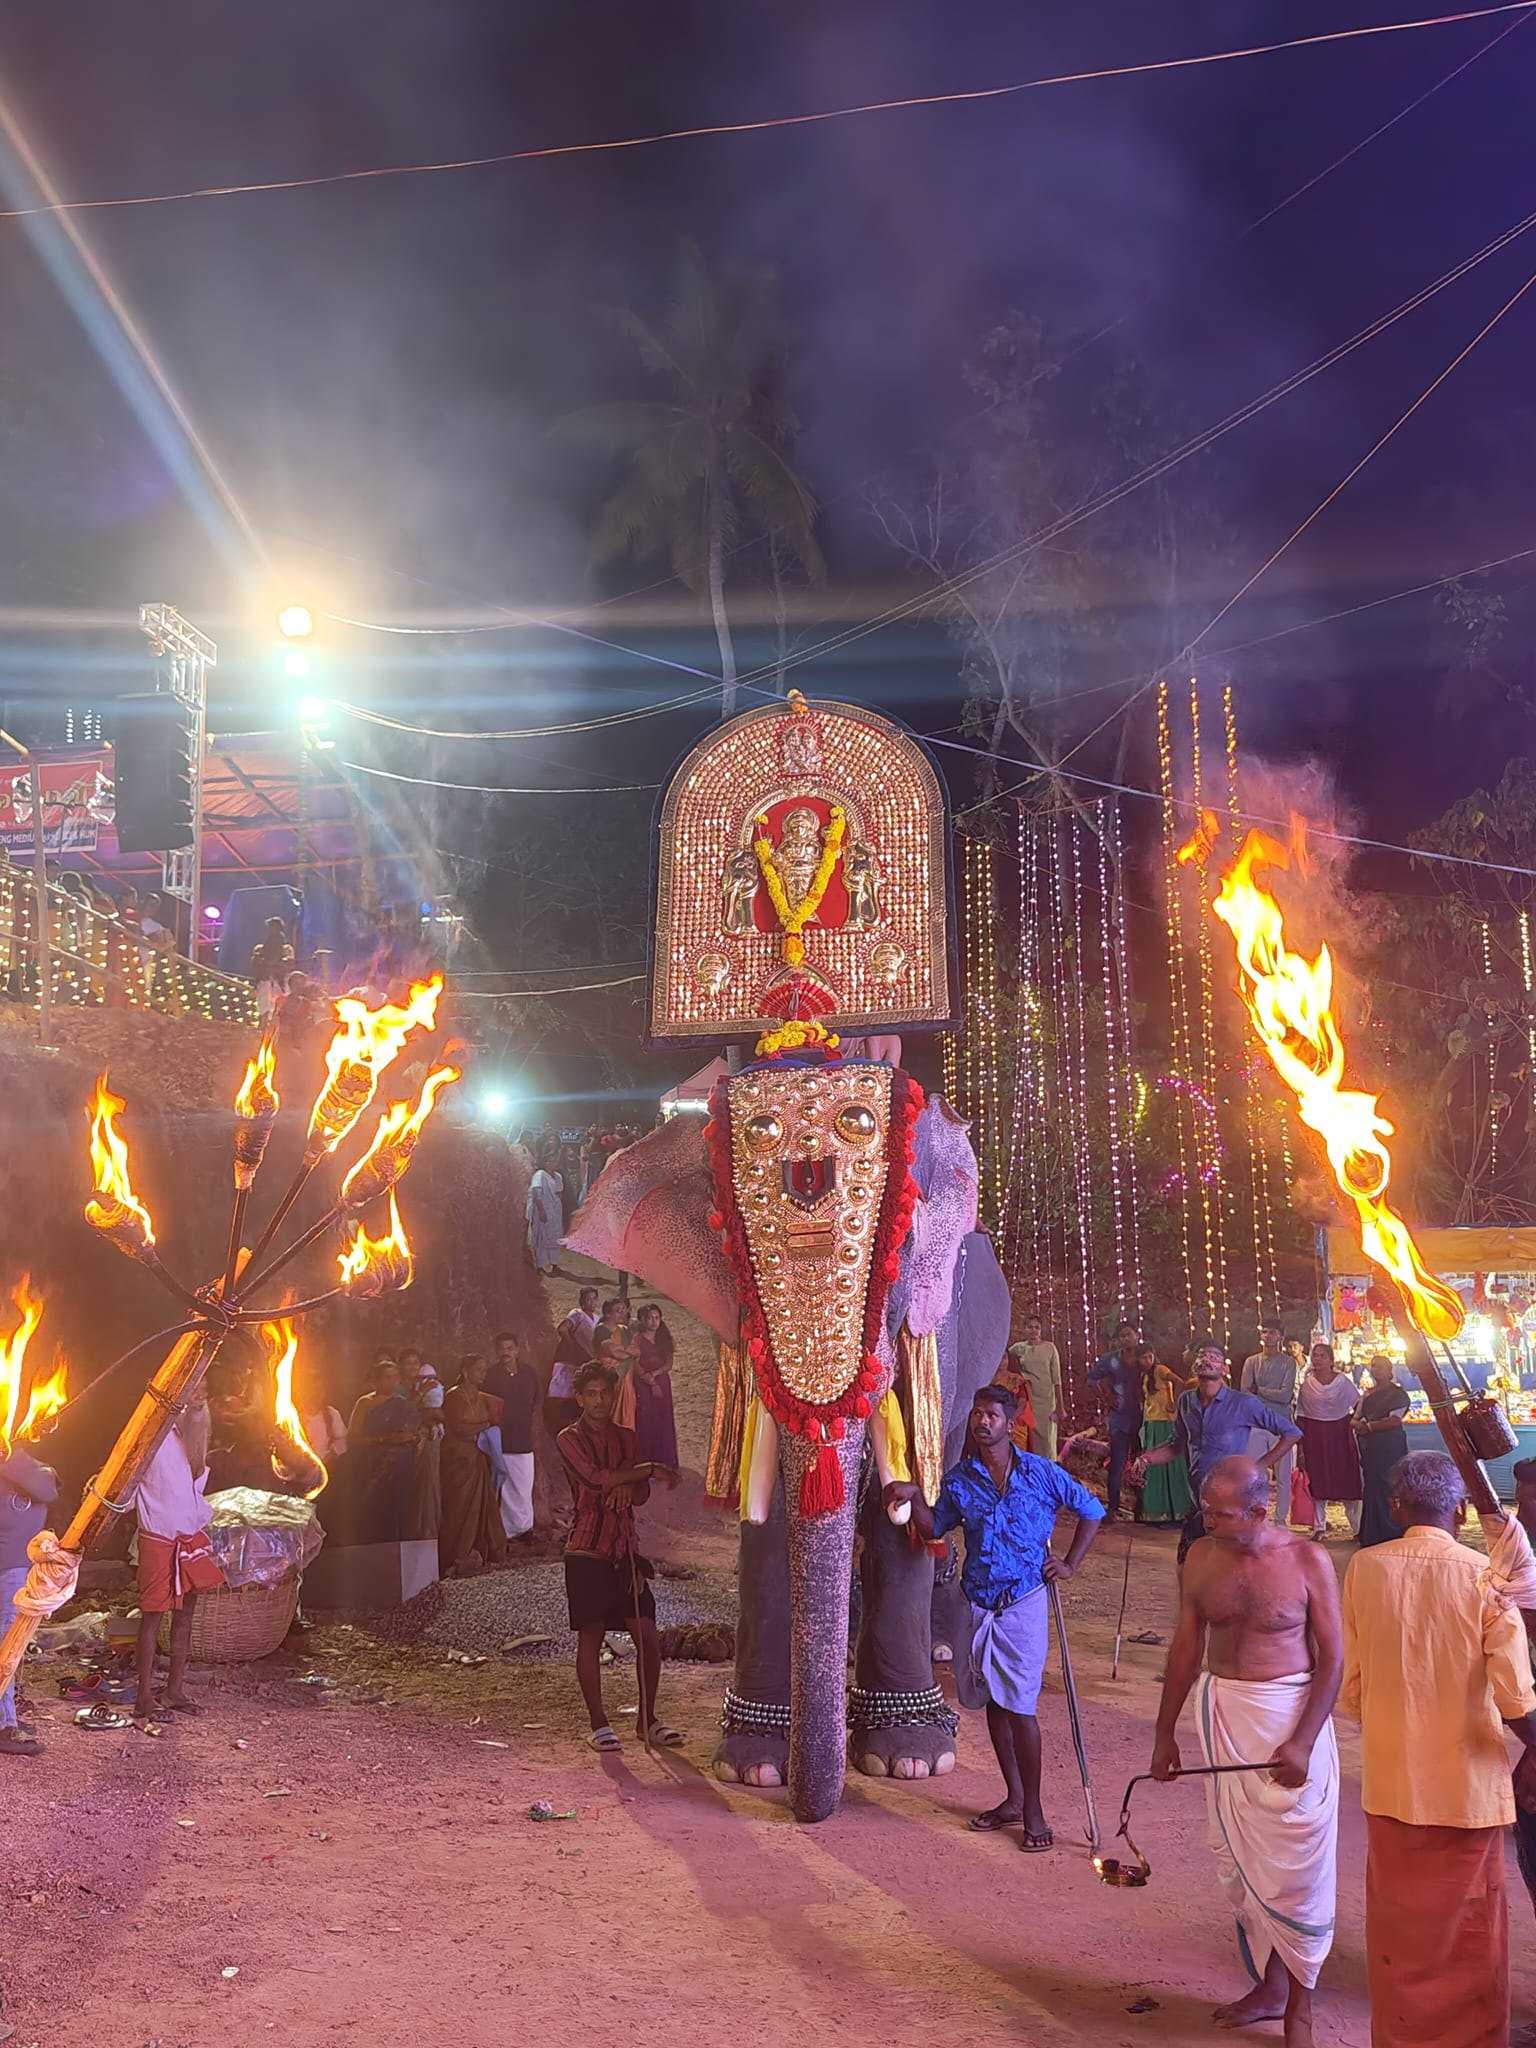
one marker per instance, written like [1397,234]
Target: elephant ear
[944,1167]
[977,1330]
[648,1214]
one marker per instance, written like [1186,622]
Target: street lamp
[296,622]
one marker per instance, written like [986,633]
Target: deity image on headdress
[738,889]
[800,747]
[799,854]
[861,876]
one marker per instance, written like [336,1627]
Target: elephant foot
[903,1752]
[760,1759]
[901,1734]
[754,1748]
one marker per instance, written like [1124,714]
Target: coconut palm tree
[704,465]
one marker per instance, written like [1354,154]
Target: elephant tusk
[759,1465]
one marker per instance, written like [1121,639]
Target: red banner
[77,800]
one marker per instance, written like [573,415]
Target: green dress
[1166,1495]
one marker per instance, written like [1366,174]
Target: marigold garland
[794,919]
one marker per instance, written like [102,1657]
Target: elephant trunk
[820,1571]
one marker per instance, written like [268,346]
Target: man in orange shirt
[1436,1667]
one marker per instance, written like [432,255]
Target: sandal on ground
[14,1743]
[660,1736]
[1037,1844]
[994,1819]
[169,1706]
[102,1716]
[604,1741]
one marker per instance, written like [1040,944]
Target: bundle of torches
[365,1043]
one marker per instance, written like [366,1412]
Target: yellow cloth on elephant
[722,1471]
[895,1426]
[925,1398]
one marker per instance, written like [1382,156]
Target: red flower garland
[821,1490]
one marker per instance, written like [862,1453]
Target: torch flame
[13,1358]
[282,1342]
[376,1265]
[1197,847]
[114,1206]
[258,1094]
[47,1397]
[1290,1000]
[394,1141]
[364,1044]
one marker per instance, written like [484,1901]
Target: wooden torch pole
[109,1493]
[1421,1363]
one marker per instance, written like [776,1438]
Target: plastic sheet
[261,1538]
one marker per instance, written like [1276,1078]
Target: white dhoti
[1008,1652]
[511,1481]
[1275,1848]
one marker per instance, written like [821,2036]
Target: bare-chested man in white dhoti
[1259,1608]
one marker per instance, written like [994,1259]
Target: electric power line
[764,125]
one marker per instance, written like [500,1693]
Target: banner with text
[77,801]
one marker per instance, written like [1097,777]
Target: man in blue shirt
[1212,1423]
[1120,1374]
[1007,1501]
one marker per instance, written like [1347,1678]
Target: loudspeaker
[152,741]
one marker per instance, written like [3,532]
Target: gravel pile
[477,1616]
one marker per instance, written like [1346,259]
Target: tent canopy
[1487,1248]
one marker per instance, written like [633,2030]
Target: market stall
[1493,1270]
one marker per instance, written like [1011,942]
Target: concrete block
[369,1576]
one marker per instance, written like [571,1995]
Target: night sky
[374,367]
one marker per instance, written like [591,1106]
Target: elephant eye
[763,1132]
[855,1123]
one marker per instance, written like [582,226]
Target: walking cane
[1095,1845]
[647,1707]
[1125,1587]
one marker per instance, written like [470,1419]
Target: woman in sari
[1382,1440]
[469,1533]
[655,1422]
[1166,1495]
[1325,1411]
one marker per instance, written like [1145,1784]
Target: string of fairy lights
[1265,1265]
[1178,1006]
[95,964]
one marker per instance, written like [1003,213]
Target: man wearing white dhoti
[1007,1502]
[1260,1609]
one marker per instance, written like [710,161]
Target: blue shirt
[1220,1430]
[1007,1533]
[1127,1384]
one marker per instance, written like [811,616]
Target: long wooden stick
[1420,1360]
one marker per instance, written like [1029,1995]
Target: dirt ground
[304,1865]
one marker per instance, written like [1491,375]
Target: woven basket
[236,1626]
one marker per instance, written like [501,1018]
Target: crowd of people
[1326,1437]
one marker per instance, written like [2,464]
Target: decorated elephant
[942,1331]
[824,1227]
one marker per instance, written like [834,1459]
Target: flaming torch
[282,1345]
[46,1398]
[365,1043]
[13,1363]
[256,1106]
[1290,1000]
[377,1265]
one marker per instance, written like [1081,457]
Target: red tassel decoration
[821,1484]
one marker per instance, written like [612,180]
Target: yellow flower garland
[793,920]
